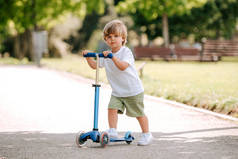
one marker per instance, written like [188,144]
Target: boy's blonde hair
[115,27]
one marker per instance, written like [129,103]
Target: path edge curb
[205,111]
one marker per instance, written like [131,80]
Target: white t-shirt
[124,83]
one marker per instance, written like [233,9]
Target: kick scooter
[103,138]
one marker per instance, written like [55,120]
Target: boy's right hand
[91,61]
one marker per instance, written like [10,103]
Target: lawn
[209,85]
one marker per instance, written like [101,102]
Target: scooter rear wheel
[79,142]
[127,136]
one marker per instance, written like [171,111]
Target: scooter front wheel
[104,139]
[79,141]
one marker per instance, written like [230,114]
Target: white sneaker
[145,139]
[112,132]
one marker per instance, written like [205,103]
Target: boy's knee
[141,117]
[110,110]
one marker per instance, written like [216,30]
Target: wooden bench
[214,49]
[187,54]
[152,53]
[182,54]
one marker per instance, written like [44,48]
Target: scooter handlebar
[93,54]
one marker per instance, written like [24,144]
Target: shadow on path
[199,131]
[22,145]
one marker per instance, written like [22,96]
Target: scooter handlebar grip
[92,54]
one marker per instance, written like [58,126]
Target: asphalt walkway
[41,110]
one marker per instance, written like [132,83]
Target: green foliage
[95,5]
[213,19]
[7,9]
[27,14]
[151,9]
[92,22]
[89,25]
[17,16]
[217,18]
[226,13]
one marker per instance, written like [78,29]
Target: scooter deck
[130,139]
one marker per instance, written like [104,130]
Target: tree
[221,18]
[216,19]
[152,9]
[6,11]
[91,23]
[21,17]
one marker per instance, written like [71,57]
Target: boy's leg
[112,121]
[112,118]
[144,123]
[146,137]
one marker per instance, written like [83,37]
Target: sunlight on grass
[10,61]
[208,85]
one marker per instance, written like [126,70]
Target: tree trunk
[23,46]
[29,45]
[90,23]
[16,47]
[165,30]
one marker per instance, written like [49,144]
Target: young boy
[127,89]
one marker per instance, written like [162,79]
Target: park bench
[152,53]
[213,50]
[187,54]
[182,54]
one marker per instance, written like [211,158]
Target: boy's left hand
[105,53]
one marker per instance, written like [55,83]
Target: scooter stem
[97,69]
[96,99]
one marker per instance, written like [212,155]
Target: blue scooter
[103,138]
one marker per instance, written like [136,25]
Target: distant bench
[151,52]
[167,53]
[212,50]
[187,54]
[215,49]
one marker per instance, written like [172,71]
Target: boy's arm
[121,65]
[92,63]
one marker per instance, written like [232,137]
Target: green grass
[13,61]
[208,85]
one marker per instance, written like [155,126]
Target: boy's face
[114,41]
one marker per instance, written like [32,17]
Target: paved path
[41,110]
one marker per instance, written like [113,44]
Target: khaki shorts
[134,105]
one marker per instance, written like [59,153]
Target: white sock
[147,134]
[113,129]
